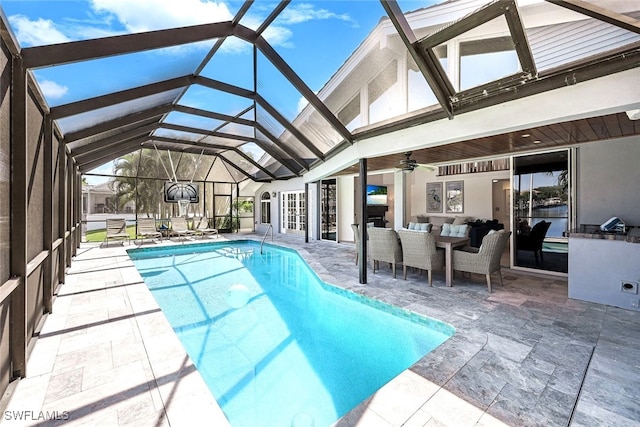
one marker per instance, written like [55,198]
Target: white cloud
[302,103]
[146,15]
[304,12]
[36,33]
[52,90]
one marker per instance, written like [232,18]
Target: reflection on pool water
[272,341]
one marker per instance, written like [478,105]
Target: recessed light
[526,135]
[537,141]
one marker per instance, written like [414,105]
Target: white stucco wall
[478,192]
[609,181]
[597,269]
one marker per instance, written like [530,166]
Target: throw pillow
[454,230]
[412,226]
[425,226]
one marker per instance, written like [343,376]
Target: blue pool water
[298,349]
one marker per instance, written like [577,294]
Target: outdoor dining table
[449,243]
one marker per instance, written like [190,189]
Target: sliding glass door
[541,211]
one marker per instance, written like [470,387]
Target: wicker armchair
[356,236]
[385,247]
[419,251]
[484,260]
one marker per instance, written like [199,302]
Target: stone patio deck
[525,355]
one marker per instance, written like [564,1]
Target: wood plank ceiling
[551,136]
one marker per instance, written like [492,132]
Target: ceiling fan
[408,164]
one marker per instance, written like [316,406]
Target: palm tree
[140,176]
[146,192]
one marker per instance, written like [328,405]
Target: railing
[270,227]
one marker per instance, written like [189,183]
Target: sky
[314,37]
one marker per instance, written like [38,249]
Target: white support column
[399,184]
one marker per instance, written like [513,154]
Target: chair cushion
[454,230]
[423,227]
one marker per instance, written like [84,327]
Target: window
[486,60]
[265,208]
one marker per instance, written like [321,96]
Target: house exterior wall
[346,212]
[607,180]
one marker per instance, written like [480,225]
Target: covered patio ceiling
[546,137]
[186,104]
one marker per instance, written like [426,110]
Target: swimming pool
[299,349]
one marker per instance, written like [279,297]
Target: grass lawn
[99,235]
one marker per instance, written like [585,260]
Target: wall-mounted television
[376,195]
[174,191]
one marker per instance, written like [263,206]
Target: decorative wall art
[434,197]
[454,194]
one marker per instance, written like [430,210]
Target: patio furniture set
[436,249]
[146,229]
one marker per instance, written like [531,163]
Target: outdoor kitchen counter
[632,234]
[605,267]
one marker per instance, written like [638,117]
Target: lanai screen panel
[419,93]
[261,157]
[193,167]
[237,129]
[232,64]
[96,19]
[178,135]
[91,78]
[278,130]
[216,101]
[221,141]
[332,30]
[192,120]
[240,161]
[487,53]
[221,172]
[278,153]
[123,109]
[112,133]
[290,103]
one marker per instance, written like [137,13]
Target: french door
[293,209]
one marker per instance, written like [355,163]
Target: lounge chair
[203,229]
[147,229]
[116,229]
[179,227]
[484,260]
[385,247]
[419,251]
